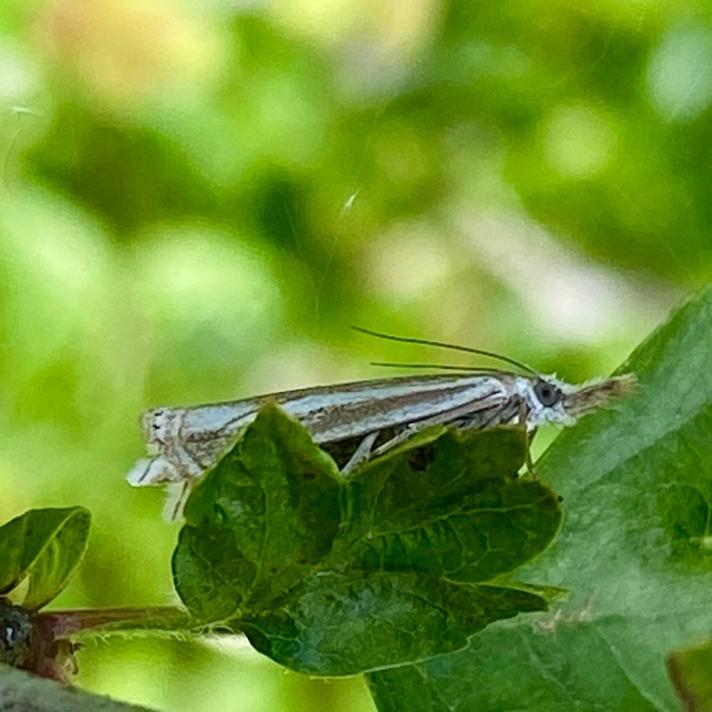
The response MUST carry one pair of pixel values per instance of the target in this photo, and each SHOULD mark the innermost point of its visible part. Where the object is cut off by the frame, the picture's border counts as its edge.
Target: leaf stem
(87, 621)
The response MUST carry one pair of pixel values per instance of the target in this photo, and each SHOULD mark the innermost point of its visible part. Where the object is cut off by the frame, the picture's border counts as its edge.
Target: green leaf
(464, 515)
(44, 546)
(341, 624)
(635, 553)
(691, 673)
(333, 576)
(267, 512)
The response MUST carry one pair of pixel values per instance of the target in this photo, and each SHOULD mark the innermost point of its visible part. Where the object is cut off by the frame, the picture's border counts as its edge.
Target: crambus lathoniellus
(376, 415)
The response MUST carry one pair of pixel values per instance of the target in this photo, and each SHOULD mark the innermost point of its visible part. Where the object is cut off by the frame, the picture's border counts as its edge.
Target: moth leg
(528, 437)
(402, 437)
(511, 411)
(176, 497)
(361, 454)
(448, 416)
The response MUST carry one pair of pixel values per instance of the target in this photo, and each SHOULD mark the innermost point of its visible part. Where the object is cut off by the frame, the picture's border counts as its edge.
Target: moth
(372, 417)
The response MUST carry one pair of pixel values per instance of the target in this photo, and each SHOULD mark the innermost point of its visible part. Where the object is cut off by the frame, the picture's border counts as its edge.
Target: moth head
(545, 400)
(554, 401)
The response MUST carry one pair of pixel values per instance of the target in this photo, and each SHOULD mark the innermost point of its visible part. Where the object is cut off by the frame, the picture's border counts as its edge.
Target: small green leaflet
(44, 546)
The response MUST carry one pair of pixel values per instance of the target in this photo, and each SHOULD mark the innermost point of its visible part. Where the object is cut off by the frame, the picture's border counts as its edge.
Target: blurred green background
(198, 198)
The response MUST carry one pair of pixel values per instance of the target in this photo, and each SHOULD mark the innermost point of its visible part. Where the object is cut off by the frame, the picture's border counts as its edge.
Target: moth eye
(547, 393)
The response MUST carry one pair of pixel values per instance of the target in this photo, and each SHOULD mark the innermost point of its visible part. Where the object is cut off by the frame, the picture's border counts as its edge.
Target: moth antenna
(445, 345)
(444, 367)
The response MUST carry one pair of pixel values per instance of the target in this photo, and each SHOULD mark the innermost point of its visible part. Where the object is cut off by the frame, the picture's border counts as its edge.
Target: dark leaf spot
(422, 458)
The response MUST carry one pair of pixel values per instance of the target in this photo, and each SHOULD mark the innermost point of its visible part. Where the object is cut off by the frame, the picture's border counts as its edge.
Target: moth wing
(154, 471)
